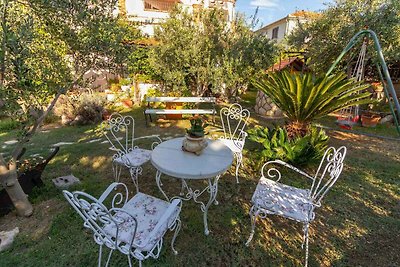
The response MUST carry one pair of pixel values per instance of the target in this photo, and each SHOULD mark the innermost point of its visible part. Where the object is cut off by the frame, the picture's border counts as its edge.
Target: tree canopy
(201, 51)
(326, 36)
(46, 47)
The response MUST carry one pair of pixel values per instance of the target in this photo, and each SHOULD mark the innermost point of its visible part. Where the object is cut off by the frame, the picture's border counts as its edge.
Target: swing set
(350, 116)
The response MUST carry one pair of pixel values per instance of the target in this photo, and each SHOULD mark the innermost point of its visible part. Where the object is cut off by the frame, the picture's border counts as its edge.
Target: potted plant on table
(194, 141)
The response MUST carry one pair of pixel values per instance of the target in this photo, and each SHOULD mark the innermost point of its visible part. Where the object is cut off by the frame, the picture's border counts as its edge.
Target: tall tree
(47, 46)
(326, 36)
(200, 51)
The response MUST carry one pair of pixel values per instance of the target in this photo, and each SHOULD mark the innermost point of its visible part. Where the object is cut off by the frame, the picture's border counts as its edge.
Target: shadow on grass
(357, 224)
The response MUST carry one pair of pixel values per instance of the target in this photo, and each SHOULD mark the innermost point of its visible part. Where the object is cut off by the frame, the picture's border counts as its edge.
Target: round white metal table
(168, 158)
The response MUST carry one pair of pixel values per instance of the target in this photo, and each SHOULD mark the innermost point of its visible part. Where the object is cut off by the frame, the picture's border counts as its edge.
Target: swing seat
(347, 123)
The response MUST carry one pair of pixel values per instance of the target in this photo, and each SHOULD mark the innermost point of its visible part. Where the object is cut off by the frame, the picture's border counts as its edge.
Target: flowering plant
(198, 125)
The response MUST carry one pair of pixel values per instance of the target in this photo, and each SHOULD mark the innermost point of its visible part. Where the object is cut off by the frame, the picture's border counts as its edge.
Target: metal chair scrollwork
(134, 227)
(234, 120)
(275, 198)
(120, 132)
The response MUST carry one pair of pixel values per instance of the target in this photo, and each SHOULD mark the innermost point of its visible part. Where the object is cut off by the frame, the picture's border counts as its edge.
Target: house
(148, 13)
(279, 29)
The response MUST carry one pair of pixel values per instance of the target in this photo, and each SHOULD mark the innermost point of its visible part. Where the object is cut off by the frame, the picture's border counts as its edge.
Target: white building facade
(279, 29)
(149, 13)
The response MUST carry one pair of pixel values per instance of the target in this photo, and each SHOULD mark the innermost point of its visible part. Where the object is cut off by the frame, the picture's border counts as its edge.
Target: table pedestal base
(187, 193)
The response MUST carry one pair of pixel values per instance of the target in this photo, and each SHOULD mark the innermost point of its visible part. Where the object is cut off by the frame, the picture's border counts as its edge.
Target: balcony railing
(160, 5)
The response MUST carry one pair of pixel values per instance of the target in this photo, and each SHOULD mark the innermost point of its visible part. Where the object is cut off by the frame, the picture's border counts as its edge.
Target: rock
(388, 118)
(7, 238)
(65, 120)
(62, 144)
(11, 142)
(65, 181)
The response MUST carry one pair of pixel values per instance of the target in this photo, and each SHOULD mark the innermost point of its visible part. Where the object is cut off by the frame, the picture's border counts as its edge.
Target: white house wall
(136, 12)
(281, 31)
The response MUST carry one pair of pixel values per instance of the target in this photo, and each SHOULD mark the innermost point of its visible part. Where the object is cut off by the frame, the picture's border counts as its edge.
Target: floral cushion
(283, 200)
(234, 145)
(136, 157)
(152, 225)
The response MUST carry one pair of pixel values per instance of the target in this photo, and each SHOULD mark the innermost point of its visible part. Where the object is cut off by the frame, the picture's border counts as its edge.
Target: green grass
(358, 224)
(384, 130)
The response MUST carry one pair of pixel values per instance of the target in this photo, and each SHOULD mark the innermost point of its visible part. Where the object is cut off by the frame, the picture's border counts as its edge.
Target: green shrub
(275, 144)
(85, 108)
(125, 82)
(8, 124)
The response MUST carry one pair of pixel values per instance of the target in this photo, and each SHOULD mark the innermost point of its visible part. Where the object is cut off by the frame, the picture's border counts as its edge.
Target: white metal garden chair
(135, 227)
(272, 197)
(120, 132)
(234, 119)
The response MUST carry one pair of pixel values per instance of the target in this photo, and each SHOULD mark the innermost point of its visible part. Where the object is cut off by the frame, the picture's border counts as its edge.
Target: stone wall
(265, 106)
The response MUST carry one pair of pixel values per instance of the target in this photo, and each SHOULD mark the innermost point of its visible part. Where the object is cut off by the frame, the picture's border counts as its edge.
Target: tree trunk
(9, 180)
(3, 43)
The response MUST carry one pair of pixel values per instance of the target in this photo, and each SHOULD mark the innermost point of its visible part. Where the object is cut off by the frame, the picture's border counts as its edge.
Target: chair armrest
(164, 219)
(118, 198)
(116, 222)
(280, 162)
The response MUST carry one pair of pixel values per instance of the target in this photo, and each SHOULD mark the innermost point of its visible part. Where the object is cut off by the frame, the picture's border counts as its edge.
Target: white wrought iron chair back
(97, 216)
(234, 119)
(120, 132)
(328, 172)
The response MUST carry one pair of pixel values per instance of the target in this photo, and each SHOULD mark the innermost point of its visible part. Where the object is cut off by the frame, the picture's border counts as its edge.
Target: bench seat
(152, 111)
(179, 111)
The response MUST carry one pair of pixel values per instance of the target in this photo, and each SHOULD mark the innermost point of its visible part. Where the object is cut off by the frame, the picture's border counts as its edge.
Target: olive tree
(326, 36)
(202, 51)
(46, 47)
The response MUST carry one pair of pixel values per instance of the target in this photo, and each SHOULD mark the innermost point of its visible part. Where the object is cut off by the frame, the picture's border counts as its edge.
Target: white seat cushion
(283, 200)
(234, 145)
(148, 211)
(136, 157)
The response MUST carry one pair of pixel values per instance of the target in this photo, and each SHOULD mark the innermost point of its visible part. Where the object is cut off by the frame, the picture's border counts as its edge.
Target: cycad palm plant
(303, 97)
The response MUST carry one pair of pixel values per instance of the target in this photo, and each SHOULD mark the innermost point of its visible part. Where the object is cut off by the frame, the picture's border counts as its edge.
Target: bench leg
(145, 117)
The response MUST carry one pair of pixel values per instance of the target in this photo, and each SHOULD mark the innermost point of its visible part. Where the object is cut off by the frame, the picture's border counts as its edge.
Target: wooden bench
(149, 111)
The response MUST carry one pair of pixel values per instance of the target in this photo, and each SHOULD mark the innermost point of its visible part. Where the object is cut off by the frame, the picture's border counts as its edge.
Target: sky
(273, 10)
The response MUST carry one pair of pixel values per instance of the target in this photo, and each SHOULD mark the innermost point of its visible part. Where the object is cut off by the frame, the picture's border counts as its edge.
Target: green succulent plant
(303, 97)
(197, 128)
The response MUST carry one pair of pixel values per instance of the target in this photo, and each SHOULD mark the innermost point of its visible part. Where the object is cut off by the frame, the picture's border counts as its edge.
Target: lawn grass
(358, 224)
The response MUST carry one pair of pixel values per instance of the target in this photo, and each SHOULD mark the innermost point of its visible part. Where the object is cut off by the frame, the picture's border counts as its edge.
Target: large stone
(7, 238)
(388, 118)
(65, 181)
(265, 107)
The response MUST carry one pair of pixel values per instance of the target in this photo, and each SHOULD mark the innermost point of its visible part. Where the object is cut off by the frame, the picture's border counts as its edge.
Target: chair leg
(130, 261)
(305, 241)
(253, 217)
(109, 257)
(100, 254)
(176, 226)
(239, 159)
(117, 171)
(135, 171)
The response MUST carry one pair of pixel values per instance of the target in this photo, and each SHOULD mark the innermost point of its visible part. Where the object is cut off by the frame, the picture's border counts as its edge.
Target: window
(275, 33)
(159, 5)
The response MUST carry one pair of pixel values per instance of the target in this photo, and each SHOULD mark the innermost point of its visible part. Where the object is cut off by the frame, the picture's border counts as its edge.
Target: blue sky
(272, 10)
